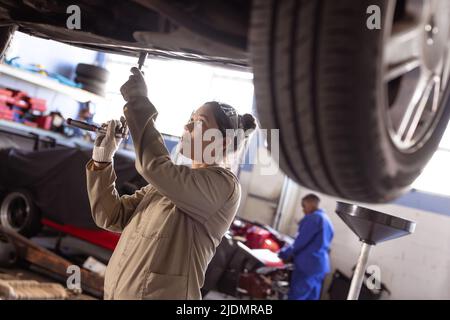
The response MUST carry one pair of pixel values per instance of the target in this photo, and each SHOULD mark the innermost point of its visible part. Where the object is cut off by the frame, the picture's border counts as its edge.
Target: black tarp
(56, 178)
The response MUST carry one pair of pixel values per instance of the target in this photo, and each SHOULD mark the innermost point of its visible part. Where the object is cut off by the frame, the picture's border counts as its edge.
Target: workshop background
(413, 267)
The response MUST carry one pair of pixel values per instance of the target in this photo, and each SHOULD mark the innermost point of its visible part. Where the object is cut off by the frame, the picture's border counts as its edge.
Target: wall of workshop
(414, 267)
(261, 192)
(54, 57)
(256, 187)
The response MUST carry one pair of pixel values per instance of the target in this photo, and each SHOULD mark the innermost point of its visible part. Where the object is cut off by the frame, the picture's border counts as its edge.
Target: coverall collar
(318, 211)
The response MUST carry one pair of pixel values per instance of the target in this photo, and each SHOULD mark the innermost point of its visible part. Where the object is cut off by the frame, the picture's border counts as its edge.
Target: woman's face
(200, 136)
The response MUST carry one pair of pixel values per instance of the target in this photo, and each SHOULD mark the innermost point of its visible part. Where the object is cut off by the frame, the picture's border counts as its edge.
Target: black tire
(6, 35)
(18, 212)
(89, 81)
(91, 85)
(99, 90)
(93, 72)
(317, 73)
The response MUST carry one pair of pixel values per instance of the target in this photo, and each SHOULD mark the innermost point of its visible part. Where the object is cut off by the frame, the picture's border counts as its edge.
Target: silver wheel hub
(416, 68)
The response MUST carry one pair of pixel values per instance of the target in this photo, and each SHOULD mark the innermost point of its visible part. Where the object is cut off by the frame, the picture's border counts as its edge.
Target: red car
(246, 263)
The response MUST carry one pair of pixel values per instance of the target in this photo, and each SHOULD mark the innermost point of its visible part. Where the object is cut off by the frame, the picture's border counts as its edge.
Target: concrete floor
(23, 274)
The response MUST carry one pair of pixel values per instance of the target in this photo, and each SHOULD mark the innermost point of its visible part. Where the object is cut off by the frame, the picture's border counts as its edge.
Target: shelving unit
(52, 84)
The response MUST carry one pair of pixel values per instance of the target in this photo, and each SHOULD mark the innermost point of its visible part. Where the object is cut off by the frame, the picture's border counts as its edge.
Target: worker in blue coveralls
(310, 251)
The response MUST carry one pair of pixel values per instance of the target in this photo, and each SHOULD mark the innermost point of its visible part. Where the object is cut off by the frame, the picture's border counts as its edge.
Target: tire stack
(92, 78)
(18, 212)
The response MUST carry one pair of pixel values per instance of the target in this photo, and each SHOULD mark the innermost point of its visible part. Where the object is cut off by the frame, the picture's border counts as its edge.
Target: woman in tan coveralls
(170, 228)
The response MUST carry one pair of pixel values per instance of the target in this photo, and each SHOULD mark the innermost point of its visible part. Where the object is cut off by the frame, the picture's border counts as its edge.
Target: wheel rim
(15, 211)
(416, 64)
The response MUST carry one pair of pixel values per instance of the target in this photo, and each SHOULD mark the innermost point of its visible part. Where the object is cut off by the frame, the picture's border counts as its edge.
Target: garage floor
(23, 274)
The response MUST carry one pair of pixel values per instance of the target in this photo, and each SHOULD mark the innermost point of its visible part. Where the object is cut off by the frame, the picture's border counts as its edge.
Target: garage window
(436, 176)
(177, 88)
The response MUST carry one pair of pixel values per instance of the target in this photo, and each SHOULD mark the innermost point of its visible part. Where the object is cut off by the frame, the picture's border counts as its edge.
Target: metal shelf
(52, 84)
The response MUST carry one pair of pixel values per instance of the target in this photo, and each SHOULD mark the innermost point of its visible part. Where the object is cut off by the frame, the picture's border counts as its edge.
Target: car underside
(360, 110)
(207, 31)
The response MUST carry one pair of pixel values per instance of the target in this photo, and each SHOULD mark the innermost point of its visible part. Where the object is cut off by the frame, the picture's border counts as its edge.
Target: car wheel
(6, 35)
(93, 72)
(19, 213)
(360, 111)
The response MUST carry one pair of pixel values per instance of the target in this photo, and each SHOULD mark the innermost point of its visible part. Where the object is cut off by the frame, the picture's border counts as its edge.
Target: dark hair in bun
(248, 122)
(228, 118)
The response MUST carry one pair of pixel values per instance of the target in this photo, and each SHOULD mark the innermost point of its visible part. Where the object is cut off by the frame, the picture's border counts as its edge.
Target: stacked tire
(18, 212)
(92, 78)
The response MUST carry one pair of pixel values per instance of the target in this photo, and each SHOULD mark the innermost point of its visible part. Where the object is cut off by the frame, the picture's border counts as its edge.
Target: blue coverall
(310, 252)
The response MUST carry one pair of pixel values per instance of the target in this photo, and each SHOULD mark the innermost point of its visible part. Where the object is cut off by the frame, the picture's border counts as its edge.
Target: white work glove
(106, 145)
(135, 86)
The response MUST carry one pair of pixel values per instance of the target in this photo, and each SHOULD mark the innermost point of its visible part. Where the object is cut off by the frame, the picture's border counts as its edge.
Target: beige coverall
(170, 228)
